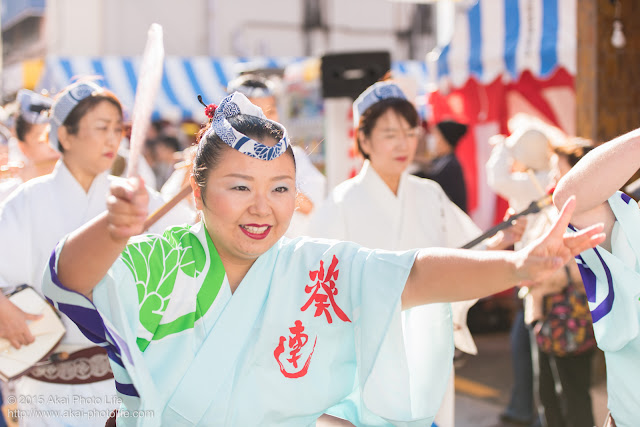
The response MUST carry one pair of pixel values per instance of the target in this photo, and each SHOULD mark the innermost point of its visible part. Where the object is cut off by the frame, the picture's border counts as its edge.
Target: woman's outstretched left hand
(542, 257)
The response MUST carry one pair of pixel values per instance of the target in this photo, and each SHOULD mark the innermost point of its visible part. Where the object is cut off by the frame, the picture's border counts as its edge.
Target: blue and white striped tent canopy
(491, 38)
(183, 78)
(507, 37)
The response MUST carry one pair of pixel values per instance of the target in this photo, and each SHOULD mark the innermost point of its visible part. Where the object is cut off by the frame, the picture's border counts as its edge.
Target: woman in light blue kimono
(229, 323)
(611, 272)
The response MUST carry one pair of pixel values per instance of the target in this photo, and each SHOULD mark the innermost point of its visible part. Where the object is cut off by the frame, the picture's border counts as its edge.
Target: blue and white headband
(34, 107)
(65, 103)
(374, 94)
(234, 105)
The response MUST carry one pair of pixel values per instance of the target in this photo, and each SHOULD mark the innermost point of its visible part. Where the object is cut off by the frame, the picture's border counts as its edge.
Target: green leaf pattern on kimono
(154, 262)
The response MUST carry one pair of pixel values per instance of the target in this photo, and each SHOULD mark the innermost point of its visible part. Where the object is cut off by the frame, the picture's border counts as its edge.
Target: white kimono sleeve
(7, 187)
(16, 258)
(460, 228)
(328, 221)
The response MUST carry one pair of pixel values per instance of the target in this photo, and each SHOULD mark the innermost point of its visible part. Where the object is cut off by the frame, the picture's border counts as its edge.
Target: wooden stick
(162, 210)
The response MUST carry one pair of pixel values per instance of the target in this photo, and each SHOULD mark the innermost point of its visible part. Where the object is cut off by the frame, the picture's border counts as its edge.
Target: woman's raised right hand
(127, 207)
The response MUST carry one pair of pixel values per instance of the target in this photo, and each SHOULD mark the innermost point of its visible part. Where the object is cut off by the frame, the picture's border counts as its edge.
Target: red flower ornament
(210, 109)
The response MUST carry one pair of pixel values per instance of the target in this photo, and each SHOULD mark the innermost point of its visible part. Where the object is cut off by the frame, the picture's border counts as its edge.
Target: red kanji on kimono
(324, 291)
(295, 343)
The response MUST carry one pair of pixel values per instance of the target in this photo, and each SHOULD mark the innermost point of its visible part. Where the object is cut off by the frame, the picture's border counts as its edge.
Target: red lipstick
(256, 236)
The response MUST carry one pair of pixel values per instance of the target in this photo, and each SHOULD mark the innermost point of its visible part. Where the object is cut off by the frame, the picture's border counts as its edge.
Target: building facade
(35, 29)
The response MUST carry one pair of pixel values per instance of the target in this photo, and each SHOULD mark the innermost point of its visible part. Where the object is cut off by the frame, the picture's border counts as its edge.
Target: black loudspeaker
(349, 74)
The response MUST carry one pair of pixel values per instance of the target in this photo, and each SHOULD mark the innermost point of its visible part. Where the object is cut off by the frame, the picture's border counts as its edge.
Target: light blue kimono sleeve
(611, 278)
(401, 378)
(612, 282)
(110, 320)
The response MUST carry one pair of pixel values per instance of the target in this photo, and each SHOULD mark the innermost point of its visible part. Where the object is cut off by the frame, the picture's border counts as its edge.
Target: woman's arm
(597, 176)
(92, 249)
(443, 275)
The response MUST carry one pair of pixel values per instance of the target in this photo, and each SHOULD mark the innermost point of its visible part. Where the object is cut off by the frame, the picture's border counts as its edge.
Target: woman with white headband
(229, 323)
(32, 156)
(86, 128)
(386, 207)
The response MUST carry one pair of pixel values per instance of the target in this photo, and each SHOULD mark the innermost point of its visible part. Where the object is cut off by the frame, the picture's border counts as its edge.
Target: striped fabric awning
(507, 37)
(183, 78)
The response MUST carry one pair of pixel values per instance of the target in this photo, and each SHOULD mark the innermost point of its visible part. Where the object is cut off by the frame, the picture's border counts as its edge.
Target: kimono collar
(66, 180)
(369, 177)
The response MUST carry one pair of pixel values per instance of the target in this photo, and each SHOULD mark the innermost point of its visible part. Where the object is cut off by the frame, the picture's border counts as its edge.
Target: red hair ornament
(210, 109)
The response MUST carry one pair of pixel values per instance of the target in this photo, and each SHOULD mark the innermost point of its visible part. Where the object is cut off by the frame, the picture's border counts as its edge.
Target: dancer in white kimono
(611, 272)
(86, 127)
(32, 156)
(386, 207)
(230, 323)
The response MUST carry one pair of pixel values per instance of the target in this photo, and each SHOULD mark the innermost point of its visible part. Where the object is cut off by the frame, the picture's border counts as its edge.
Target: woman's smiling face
(247, 203)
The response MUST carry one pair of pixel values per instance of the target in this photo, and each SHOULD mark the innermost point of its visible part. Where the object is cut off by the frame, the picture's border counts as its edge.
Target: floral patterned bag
(566, 328)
